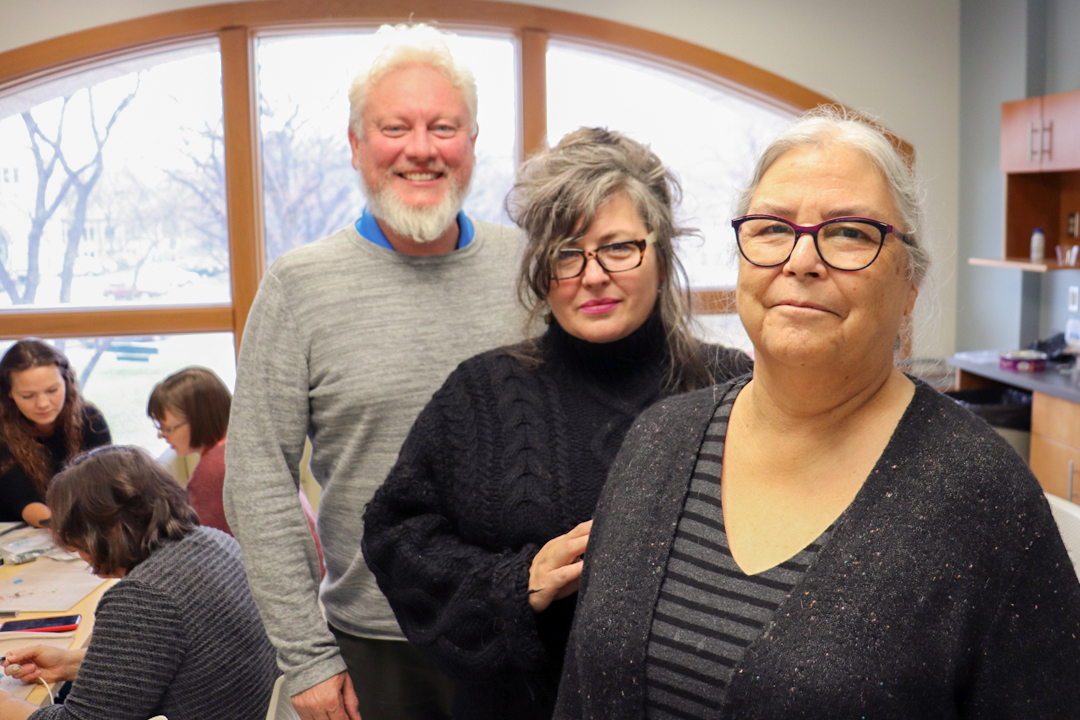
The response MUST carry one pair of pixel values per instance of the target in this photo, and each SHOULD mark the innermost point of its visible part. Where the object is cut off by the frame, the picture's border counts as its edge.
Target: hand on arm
(51, 664)
(332, 699)
(556, 569)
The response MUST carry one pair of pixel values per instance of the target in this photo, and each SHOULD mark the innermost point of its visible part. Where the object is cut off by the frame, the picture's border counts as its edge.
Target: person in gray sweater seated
(829, 538)
(179, 635)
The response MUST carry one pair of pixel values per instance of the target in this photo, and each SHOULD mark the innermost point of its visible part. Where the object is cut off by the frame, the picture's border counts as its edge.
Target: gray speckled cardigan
(945, 591)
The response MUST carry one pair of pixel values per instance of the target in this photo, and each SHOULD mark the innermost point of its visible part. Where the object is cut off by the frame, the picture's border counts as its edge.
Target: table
(84, 607)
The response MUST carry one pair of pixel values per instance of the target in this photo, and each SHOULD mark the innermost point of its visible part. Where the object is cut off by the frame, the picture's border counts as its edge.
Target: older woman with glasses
(829, 538)
(477, 535)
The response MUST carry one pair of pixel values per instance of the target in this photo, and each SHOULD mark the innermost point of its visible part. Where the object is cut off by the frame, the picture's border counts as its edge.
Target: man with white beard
(346, 341)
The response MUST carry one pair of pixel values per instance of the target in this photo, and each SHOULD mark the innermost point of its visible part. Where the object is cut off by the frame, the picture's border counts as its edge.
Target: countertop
(1050, 382)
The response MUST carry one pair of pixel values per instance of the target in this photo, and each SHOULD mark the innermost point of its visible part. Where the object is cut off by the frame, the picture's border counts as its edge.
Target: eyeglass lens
(613, 257)
(844, 244)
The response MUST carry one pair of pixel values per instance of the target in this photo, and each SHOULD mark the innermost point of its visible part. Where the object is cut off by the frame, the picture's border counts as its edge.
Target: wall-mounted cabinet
(1040, 156)
(1041, 134)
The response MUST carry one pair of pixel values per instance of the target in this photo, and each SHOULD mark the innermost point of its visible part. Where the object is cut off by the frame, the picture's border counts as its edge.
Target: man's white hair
(403, 46)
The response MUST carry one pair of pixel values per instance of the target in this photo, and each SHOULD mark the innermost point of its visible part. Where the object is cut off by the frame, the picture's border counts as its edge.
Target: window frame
(236, 26)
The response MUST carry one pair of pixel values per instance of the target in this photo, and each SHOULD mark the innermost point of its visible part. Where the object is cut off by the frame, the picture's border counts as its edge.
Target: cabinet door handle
(1033, 150)
(1069, 483)
(1047, 148)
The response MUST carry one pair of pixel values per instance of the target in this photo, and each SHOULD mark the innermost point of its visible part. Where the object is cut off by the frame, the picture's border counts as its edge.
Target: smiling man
(345, 343)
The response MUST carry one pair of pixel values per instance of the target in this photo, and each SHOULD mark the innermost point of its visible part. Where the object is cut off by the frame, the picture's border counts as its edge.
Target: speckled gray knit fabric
(944, 592)
(180, 637)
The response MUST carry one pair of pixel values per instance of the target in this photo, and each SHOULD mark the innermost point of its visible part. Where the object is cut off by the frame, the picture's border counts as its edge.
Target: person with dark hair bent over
(179, 635)
(44, 422)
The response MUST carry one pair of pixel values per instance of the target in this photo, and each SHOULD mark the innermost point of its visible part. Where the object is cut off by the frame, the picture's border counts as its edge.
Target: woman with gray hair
(477, 535)
(828, 538)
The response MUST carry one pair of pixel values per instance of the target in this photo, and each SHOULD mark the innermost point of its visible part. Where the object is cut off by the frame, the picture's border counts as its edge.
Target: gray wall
(1008, 51)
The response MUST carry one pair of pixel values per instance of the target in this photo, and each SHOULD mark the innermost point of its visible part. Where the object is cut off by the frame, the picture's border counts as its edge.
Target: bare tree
(44, 208)
(310, 187)
(48, 152)
(309, 184)
(202, 198)
(83, 180)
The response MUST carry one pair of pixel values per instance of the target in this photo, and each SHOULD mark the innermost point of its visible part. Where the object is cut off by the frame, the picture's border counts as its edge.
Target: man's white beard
(422, 225)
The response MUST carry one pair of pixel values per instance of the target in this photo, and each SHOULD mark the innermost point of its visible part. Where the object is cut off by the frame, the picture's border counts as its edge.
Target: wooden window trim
(236, 25)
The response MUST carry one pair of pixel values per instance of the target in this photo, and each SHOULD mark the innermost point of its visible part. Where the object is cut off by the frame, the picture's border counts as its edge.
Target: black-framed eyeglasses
(844, 243)
(614, 257)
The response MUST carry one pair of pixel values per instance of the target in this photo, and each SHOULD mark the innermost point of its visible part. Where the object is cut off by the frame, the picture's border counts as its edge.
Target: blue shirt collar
(369, 228)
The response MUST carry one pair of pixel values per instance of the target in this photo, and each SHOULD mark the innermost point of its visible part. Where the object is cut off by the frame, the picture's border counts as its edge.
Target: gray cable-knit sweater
(944, 591)
(178, 636)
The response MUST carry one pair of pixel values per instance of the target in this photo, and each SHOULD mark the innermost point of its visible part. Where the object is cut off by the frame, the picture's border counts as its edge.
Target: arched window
(153, 168)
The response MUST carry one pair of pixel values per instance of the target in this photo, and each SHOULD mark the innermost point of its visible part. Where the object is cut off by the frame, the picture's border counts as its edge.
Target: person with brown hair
(179, 635)
(44, 422)
(191, 411)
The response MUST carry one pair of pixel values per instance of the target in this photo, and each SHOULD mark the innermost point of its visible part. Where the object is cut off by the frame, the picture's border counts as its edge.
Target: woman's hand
(49, 663)
(36, 514)
(556, 569)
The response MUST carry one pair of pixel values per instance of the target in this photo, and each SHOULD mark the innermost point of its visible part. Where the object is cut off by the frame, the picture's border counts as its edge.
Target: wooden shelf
(1021, 263)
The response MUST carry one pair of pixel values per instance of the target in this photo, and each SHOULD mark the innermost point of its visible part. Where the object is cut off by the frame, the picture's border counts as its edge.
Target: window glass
(117, 374)
(112, 185)
(708, 135)
(310, 187)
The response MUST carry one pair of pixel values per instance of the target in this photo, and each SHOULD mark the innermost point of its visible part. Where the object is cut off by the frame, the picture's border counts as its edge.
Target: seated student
(43, 423)
(179, 635)
(191, 411)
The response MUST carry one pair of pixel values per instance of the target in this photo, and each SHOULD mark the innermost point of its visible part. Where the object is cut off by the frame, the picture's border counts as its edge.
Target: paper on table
(14, 641)
(48, 585)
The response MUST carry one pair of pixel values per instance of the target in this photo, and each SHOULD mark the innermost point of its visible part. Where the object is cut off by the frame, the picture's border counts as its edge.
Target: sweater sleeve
(267, 428)
(139, 641)
(463, 605)
(1030, 658)
(16, 490)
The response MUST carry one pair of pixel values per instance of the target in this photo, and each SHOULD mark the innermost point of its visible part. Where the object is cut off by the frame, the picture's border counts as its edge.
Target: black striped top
(709, 610)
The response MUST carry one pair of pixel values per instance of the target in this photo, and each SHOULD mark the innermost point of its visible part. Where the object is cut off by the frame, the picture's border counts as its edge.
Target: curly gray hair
(555, 199)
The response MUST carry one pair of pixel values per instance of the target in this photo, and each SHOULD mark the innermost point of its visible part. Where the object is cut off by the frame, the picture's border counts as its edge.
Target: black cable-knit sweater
(504, 458)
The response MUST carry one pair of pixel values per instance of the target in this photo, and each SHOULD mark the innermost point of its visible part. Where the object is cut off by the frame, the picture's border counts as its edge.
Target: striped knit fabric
(709, 611)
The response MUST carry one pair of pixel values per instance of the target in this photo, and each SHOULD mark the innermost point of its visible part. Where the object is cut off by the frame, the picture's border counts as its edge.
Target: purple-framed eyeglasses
(843, 243)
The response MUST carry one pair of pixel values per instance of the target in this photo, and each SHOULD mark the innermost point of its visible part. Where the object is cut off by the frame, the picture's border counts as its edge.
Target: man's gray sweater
(346, 342)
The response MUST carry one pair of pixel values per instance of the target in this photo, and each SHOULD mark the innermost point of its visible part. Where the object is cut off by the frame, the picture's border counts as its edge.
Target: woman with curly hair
(44, 422)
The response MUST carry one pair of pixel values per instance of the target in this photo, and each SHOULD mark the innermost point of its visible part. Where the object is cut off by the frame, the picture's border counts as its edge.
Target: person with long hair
(44, 422)
(477, 534)
(179, 635)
